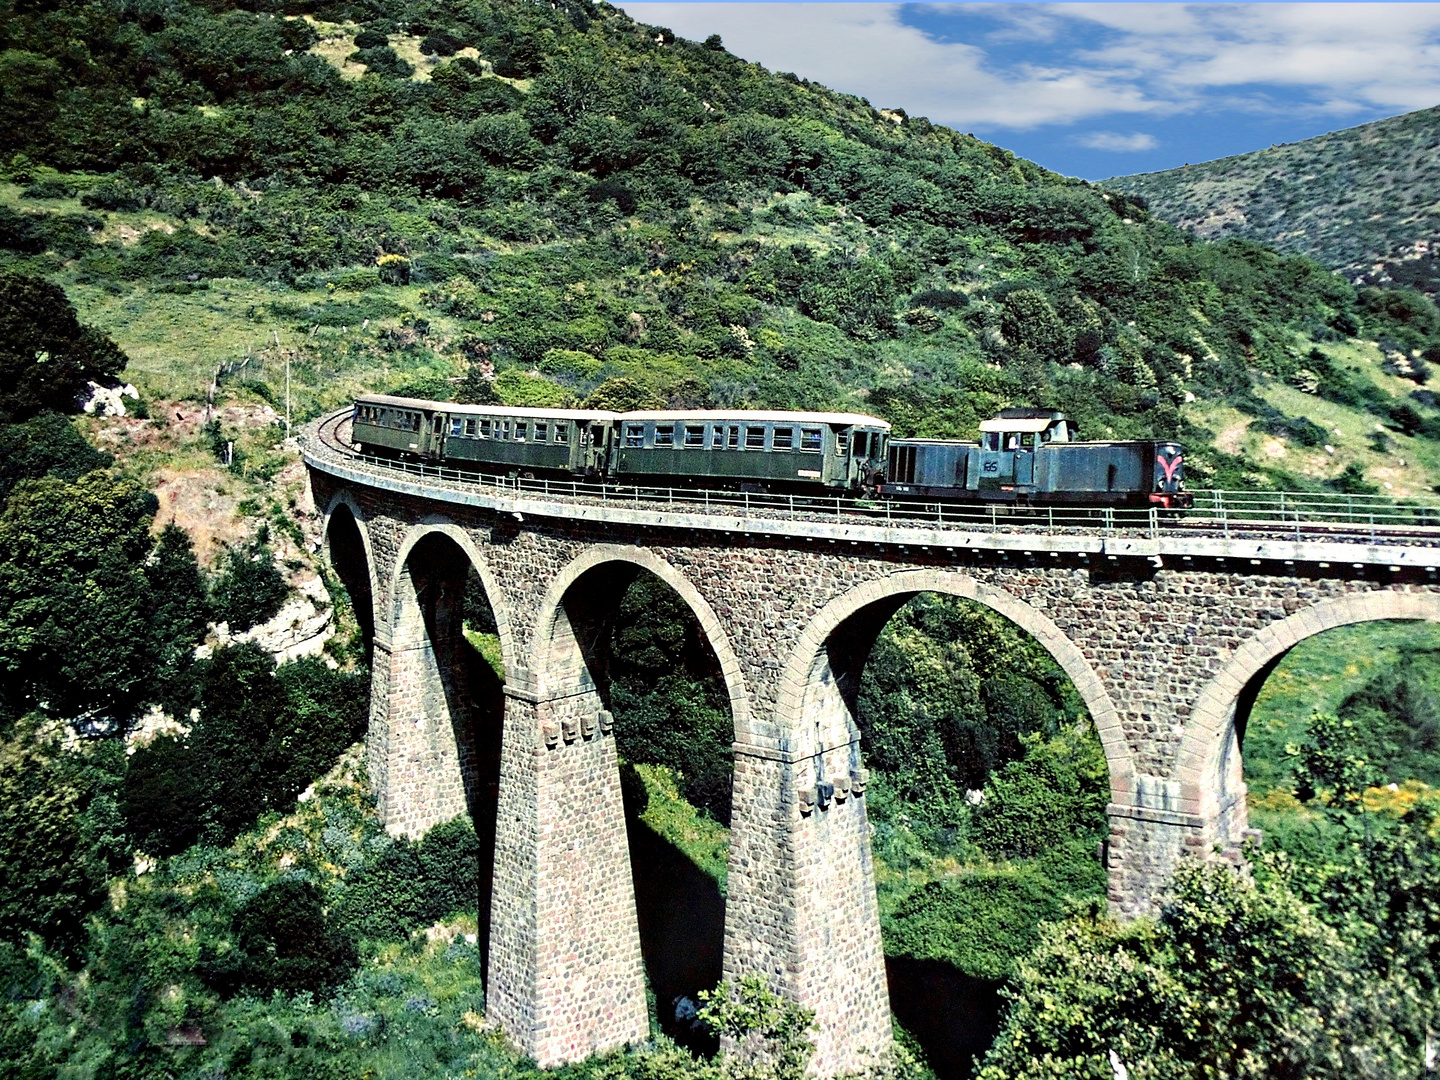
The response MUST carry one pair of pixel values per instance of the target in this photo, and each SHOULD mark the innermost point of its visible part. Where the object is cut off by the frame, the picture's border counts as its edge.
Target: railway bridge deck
(1166, 627)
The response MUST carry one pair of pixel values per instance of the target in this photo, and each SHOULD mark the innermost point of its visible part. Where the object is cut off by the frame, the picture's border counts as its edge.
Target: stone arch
(498, 603)
(885, 595)
(365, 592)
(554, 651)
(1208, 767)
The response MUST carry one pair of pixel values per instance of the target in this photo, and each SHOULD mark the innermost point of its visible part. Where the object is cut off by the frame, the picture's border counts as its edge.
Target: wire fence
(1224, 512)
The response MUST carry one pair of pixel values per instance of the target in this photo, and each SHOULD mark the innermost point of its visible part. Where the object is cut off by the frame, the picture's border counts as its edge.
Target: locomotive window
(842, 441)
(754, 438)
(520, 430)
(542, 432)
(810, 439)
(694, 436)
(734, 439)
(717, 438)
(562, 432)
(784, 438)
(634, 434)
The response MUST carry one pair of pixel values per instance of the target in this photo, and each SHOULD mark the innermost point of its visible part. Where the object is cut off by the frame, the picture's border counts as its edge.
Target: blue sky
(1099, 90)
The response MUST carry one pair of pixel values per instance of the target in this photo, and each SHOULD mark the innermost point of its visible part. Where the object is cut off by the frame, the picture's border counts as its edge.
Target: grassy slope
(1347, 199)
(1407, 466)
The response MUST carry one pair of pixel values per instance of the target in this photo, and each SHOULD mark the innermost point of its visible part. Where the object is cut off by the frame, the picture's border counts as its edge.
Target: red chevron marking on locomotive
(1169, 466)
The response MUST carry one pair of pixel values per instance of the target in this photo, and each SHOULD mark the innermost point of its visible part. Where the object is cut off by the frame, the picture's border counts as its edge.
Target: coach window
(862, 443)
(542, 431)
(562, 431)
(664, 434)
(810, 440)
(634, 434)
(733, 440)
(784, 439)
(415, 422)
(505, 429)
(754, 438)
(484, 429)
(457, 426)
(520, 430)
(717, 437)
(695, 436)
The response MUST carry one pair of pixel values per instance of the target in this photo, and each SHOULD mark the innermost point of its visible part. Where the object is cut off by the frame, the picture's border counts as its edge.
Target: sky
(1099, 90)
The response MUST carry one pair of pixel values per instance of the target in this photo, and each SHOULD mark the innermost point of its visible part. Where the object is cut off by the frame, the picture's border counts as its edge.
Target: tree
(46, 356)
(622, 395)
(49, 877)
(79, 633)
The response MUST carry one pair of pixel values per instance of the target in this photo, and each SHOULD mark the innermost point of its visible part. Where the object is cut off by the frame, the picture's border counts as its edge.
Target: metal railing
(1272, 513)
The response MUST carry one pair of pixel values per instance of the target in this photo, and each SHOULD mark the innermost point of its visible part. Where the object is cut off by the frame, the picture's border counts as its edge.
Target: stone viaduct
(1166, 638)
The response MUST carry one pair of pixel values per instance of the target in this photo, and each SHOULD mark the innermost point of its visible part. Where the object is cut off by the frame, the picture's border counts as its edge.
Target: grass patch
(1320, 673)
(703, 840)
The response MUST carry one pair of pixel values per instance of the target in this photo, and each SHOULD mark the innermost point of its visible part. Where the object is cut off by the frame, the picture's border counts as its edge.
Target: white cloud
(865, 49)
(1113, 140)
(1090, 60)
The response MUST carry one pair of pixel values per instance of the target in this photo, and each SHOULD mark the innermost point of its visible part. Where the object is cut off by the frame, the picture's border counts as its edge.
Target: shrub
(282, 940)
(1057, 790)
(258, 737)
(250, 587)
(412, 884)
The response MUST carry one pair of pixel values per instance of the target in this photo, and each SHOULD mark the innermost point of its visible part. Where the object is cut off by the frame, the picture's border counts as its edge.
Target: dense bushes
(46, 356)
(259, 735)
(949, 694)
(412, 884)
(249, 587)
(282, 940)
(667, 694)
(91, 627)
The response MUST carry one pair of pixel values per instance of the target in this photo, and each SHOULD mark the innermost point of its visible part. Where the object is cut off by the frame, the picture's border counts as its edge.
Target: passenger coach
(766, 449)
(576, 442)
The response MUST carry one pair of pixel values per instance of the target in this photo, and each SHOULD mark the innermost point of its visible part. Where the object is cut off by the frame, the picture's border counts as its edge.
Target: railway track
(1252, 515)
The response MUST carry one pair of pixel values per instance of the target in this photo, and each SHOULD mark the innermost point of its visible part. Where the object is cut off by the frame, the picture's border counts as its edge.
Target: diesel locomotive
(1023, 456)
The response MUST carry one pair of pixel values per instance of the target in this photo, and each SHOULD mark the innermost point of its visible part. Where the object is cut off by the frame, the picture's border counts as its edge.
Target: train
(1023, 456)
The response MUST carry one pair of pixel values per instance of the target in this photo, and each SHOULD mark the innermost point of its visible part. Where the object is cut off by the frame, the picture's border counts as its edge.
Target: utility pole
(287, 384)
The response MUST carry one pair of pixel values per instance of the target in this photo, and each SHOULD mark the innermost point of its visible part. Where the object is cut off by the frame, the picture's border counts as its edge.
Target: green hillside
(1365, 200)
(395, 194)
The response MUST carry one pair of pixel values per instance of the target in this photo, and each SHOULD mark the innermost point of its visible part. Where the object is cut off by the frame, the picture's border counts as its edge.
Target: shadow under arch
(1208, 768)
(680, 911)
(345, 547)
(828, 659)
(461, 699)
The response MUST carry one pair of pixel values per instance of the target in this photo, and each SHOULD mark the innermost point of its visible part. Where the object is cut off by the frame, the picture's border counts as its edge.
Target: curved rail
(1271, 515)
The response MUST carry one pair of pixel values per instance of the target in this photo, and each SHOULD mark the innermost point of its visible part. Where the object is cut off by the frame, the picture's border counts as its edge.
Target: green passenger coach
(767, 449)
(572, 441)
